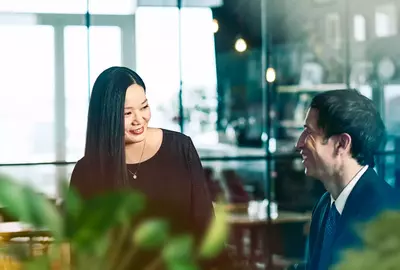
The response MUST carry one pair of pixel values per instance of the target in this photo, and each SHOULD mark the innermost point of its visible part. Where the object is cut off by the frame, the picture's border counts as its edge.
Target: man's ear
(343, 143)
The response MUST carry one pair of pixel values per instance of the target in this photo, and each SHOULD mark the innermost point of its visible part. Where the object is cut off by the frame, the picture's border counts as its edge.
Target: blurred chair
(213, 184)
(236, 190)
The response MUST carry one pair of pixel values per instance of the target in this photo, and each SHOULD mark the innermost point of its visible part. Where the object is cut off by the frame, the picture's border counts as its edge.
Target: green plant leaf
(151, 234)
(36, 263)
(44, 214)
(214, 240)
(75, 204)
(178, 265)
(381, 249)
(72, 208)
(12, 199)
(100, 215)
(179, 250)
(378, 232)
(26, 205)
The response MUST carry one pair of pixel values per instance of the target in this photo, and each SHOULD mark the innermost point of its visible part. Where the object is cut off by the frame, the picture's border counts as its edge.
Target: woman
(122, 151)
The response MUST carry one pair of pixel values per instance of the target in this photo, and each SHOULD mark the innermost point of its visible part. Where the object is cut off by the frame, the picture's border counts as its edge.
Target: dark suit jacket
(369, 197)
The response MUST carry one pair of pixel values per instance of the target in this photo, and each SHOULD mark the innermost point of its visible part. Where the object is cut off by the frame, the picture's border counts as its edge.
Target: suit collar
(359, 194)
(341, 200)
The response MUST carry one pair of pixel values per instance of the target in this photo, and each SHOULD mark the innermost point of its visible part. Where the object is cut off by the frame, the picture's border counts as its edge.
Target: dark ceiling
(243, 18)
(238, 18)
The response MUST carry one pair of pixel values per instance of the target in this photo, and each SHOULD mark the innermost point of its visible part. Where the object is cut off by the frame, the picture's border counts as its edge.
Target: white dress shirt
(340, 202)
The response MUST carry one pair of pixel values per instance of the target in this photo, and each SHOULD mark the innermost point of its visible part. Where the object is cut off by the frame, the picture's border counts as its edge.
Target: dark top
(369, 197)
(173, 182)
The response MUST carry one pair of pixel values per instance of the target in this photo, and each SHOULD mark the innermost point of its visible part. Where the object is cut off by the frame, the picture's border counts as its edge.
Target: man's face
(318, 152)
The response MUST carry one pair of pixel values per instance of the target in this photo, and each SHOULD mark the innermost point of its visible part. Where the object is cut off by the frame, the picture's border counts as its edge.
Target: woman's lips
(137, 131)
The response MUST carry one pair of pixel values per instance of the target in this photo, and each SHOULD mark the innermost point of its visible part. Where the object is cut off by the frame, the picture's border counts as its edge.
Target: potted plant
(381, 245)
(93, 231)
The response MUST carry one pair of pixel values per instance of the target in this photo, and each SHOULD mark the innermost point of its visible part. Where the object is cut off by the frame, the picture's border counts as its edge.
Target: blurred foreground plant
(95, 231)
(381, 249)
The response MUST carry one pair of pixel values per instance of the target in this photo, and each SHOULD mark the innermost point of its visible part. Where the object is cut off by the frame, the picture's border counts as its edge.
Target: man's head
(342, 127)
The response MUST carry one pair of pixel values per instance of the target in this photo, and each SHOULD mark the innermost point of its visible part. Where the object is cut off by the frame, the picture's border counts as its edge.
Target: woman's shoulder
(175, 138)
(175, 134)
(78, 174)
(81, 164)
(177, 142)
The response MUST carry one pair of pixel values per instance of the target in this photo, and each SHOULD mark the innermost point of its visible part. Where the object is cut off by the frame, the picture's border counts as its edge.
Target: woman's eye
(128, 113)
(145, 107)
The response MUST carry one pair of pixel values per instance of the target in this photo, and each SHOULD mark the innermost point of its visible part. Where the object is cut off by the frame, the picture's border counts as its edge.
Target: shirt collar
(340, 202)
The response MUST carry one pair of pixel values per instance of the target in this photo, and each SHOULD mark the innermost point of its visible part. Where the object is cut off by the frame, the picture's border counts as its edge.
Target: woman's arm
(201, 204)
(203, 211)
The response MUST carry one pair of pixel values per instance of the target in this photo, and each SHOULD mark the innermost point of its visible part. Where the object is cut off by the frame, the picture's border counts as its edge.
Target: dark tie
(329, 235)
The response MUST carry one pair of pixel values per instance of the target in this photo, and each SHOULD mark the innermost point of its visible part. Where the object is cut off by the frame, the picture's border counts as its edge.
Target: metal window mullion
(60, 104)
(128, 42)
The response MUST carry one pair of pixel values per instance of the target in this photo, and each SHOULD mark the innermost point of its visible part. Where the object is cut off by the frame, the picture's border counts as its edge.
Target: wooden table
(260, 229)
(10, 230)
(38, 241)
(283, 217)
(238, 215)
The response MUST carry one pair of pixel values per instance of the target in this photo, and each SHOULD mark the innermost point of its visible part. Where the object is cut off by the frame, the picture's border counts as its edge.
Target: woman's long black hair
(105, 143)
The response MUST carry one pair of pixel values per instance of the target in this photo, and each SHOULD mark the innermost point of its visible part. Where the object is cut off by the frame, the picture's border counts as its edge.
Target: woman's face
(137, 114)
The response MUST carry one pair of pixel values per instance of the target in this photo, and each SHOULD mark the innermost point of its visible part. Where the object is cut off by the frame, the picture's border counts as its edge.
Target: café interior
(236, 76)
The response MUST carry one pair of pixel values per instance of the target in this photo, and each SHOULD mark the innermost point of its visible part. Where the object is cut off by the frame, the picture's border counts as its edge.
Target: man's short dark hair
(348, 111)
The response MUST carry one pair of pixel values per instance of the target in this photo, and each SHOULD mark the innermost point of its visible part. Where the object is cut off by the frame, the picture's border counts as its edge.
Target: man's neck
(339, 181)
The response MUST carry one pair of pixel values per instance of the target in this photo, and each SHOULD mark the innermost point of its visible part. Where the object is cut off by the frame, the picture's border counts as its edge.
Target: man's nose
(300, 142)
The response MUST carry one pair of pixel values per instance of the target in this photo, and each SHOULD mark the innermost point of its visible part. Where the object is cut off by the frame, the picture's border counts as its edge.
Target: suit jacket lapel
(320, 235)
(352, 206)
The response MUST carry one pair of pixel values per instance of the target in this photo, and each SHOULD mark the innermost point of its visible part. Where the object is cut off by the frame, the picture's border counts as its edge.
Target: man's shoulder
(384, 197)
(375, 196)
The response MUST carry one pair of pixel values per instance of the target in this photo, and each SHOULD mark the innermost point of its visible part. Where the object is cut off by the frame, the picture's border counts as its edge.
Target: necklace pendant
(134, 176)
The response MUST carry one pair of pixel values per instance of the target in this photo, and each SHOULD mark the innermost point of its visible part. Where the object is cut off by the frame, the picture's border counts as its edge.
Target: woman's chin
(133, 138)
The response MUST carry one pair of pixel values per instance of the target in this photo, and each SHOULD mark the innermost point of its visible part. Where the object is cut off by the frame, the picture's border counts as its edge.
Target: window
(158, 61)
(199, 76)
(105, 51)
(27, 95)
(333, 30)
(44, 101)
(157, 52)
(185, 3)
(27, 104)
(360, 28)
(386, 20)
(69, 6)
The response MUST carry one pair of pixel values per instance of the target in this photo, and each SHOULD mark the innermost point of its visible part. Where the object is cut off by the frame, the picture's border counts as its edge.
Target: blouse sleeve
(201, 204)
(78, 179)
(203, 211)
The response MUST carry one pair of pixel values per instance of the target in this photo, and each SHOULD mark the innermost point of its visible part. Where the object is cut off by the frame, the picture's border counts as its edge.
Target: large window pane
(105, 51)
(41, 178)
(199, 76)
(27, 95)
(68, 6)
(157, 62)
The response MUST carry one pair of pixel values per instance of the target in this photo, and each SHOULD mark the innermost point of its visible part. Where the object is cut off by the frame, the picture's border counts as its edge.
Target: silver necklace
(134, 175)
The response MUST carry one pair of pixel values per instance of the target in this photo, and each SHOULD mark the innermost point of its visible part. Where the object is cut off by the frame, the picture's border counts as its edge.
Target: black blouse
(173, 183)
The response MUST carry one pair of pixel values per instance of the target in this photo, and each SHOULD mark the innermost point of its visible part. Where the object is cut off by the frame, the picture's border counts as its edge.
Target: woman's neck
(134, 151)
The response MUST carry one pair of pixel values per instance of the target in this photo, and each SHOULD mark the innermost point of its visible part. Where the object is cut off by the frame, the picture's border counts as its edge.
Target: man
(342, 132)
